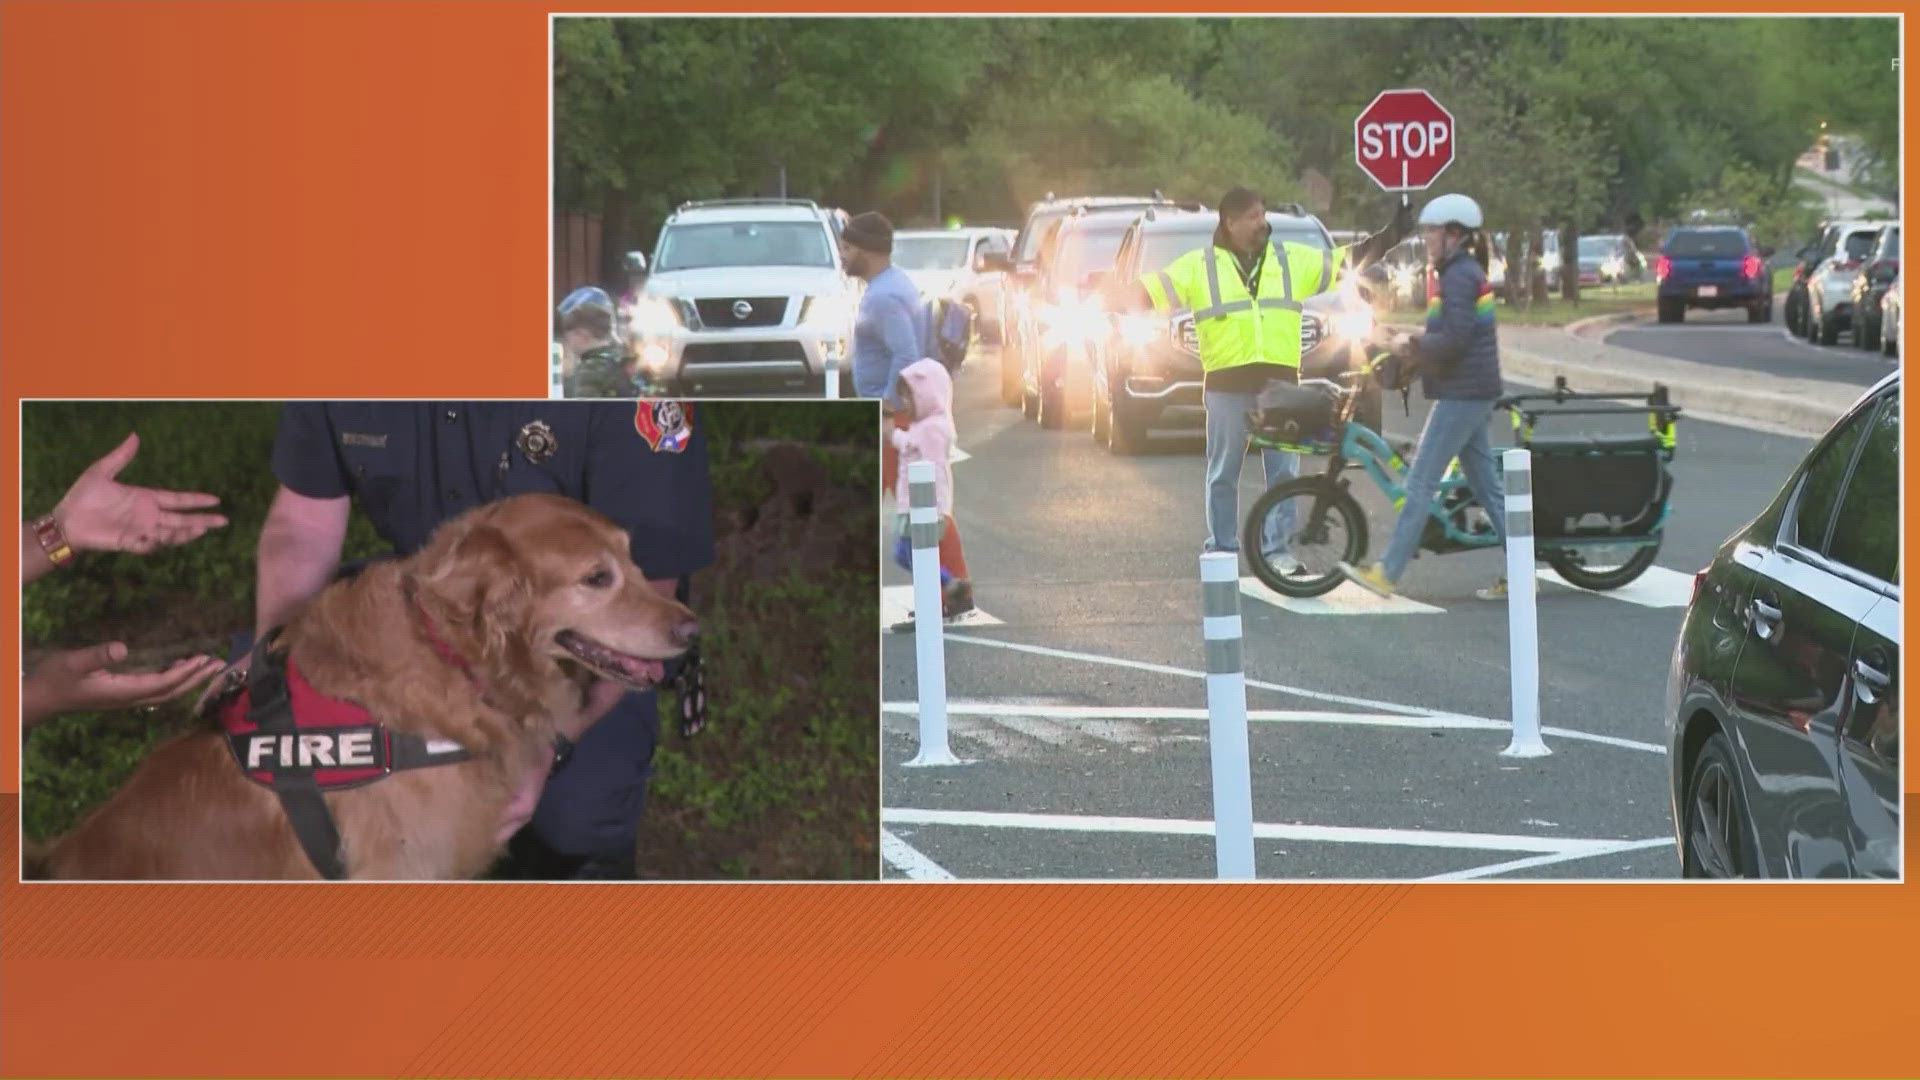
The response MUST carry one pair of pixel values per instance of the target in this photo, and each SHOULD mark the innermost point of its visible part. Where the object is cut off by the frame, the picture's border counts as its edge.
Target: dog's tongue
(643, 671)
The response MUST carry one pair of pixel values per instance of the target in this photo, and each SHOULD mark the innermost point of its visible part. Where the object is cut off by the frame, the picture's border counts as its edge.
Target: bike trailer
(1597, 487)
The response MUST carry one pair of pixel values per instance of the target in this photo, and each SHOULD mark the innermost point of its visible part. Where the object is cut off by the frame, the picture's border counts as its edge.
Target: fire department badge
(666, 425)
(537, 442)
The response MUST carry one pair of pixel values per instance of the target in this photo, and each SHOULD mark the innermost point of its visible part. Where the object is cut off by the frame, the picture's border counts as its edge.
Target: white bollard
(929, 629)
(833, 377)
(557, 384)
(1227, 715)
(1523, 624)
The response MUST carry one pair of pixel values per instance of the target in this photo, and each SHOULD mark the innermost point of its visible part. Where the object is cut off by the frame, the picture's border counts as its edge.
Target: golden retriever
(532, 597)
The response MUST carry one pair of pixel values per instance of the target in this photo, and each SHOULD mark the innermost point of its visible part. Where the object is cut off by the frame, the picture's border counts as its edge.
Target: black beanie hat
(870, 232)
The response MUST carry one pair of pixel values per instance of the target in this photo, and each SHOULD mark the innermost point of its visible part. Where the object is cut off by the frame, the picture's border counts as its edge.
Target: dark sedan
(1783, 700)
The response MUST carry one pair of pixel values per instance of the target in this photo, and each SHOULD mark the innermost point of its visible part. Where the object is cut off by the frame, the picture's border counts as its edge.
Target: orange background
(279, 200)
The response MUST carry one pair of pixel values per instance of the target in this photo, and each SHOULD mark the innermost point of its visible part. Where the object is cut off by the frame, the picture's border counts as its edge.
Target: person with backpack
(891, 331)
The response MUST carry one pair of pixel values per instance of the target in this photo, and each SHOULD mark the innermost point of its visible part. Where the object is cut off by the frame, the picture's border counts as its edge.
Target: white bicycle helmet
(1452, 209)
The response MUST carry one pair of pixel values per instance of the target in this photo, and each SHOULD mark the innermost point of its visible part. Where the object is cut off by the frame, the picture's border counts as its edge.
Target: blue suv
(1718, 267)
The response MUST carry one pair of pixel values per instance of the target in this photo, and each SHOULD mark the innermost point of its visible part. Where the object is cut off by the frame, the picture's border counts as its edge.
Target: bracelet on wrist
(52, 541)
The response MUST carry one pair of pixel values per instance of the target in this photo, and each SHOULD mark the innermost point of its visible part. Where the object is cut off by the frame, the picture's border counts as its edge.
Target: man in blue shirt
(890, 330)
(413, 465)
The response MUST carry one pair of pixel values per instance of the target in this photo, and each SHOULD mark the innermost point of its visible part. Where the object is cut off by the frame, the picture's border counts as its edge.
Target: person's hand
(99, 513)
(1401, 344)
(77, 681)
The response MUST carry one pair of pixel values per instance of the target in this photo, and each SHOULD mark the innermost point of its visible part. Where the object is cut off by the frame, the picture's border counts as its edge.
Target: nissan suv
(1147, 369)
(745, 294)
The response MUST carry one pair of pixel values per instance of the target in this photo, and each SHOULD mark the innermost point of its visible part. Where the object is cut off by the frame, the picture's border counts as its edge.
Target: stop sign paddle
(1403, 139)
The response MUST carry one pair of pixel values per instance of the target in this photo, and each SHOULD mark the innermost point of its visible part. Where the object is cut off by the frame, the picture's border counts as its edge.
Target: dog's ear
(487, 589)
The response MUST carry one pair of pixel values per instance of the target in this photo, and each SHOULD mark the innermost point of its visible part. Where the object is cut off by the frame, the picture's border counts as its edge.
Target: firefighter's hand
(77, 681)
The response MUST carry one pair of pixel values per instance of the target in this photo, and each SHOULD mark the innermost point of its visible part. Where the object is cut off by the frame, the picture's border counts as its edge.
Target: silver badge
(537, 442)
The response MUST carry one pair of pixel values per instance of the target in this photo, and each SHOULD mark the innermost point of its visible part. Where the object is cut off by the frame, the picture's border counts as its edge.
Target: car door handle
(1764, 617)
(1869, 682)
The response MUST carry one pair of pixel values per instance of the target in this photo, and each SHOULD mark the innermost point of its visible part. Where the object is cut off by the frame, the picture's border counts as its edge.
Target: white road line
(896, 603)
(910, 860)
(1164, 669)
(1548, 860)
(1106, 713)
(1657, 587)
(1345, 599)
(1330, 834)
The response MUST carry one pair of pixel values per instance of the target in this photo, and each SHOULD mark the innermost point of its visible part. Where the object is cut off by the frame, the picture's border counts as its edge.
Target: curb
(1797, 413)
(1587, 327)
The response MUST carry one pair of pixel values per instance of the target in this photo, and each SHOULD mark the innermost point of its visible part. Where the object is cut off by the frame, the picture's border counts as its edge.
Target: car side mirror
(993, 261)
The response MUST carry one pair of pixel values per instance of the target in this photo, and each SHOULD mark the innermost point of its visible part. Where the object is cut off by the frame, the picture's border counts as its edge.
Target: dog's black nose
(685, 633)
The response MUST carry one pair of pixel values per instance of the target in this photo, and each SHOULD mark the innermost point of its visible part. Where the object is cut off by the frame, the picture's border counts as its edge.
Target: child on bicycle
(1458, 361)
(926, 395)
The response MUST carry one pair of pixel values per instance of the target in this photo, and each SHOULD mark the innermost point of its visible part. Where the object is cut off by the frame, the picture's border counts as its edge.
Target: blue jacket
(1459, 353)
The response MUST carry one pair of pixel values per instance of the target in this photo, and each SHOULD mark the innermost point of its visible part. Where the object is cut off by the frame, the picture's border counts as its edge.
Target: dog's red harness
(297, 742)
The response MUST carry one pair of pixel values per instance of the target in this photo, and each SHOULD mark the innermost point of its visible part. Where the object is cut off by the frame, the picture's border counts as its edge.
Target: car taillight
(1699, 580)
(1750, 266)
(1661, 266)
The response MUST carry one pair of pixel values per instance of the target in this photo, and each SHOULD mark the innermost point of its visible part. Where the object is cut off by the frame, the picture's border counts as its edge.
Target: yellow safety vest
(1233, 327)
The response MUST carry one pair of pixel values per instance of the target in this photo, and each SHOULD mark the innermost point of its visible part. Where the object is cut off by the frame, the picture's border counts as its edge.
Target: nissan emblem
(742, 309)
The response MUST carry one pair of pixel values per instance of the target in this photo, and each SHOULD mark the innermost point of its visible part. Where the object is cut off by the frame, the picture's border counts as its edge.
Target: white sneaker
(1286, 565)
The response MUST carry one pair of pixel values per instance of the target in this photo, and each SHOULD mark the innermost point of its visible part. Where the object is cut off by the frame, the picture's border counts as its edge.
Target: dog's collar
(562, 746)
(435, 640)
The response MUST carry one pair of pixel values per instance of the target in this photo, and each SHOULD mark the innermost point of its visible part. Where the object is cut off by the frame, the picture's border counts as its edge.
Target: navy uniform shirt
(413, 465)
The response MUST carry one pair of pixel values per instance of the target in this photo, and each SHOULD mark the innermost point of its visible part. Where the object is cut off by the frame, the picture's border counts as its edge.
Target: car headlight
(1072, 324)
(653, 316)
(1354, 323)
(827, 313)
(1141, 330)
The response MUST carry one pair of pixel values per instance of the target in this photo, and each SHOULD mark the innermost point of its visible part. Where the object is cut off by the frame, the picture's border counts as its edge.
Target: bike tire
(1312, 489)
(1564, 563)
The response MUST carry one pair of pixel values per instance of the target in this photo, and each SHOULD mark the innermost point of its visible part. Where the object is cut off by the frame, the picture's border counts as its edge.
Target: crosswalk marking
(896, 603)
(1658, 587)
(1346, 599)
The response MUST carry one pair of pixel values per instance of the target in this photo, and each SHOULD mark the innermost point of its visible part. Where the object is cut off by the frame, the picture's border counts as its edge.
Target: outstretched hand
(99, 513)
(77, 681)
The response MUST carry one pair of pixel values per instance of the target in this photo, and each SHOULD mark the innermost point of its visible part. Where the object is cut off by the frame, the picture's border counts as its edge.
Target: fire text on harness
(347, 748)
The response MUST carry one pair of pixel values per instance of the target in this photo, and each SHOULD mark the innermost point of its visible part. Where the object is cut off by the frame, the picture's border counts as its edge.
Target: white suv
(745, 293)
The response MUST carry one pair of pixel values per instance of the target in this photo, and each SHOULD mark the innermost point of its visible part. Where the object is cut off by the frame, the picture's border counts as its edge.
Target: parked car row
(1847, 281)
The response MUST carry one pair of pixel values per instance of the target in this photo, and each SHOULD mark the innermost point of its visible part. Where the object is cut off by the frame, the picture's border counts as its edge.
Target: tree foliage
(1585, 124)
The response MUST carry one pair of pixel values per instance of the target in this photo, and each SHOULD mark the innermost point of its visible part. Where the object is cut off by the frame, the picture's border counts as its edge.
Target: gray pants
(1454, 429)
(1226, 449)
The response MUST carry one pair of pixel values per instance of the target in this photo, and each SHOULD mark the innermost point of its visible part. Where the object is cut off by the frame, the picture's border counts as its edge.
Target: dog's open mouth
(634, 671)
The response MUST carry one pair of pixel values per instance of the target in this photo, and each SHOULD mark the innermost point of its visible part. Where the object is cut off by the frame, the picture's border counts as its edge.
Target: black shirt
(413, 465)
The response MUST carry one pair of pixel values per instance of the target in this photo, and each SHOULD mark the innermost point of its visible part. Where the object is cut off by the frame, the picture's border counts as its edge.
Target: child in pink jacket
(926, 390)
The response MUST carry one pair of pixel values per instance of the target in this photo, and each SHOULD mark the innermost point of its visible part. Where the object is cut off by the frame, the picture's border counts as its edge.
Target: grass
(1594, 301)
(782, 783)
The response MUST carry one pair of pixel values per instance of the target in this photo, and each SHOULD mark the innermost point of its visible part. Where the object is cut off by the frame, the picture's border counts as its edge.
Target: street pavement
(1725, 339)
(1078, 700)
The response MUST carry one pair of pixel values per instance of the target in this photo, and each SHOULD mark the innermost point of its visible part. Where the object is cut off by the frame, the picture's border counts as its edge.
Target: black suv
(1023, 272)
(1783, 700)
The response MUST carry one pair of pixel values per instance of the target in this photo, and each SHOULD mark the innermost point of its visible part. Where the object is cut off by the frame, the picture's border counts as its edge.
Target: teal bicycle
(1600, 502)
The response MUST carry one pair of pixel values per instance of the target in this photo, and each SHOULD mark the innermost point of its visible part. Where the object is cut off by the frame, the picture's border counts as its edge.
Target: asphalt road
(1724, 338)
(1078, 698)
